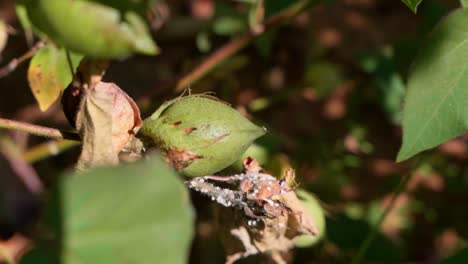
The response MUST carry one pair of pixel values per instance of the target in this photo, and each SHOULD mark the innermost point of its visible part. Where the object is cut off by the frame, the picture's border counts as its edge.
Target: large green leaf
(91, 28)
(436, 107)
(137, 213)
(49, 74)
(412, 4)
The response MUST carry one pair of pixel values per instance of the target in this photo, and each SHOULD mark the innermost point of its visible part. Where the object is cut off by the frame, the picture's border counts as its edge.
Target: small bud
(200, 134)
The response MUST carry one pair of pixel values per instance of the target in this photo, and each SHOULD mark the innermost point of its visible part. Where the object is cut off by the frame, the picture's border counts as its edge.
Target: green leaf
(91, 28)
(437, 96)
(136, 213)
(228, 26)
(412, 4)
(22, 15)
(323, 76)
(381, 65)
(49, 74)
(228, 21)
(464, 3)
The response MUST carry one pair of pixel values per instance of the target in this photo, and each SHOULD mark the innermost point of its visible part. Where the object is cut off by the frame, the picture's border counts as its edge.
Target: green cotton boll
(314, 210)
(90, 28)
(199, 134)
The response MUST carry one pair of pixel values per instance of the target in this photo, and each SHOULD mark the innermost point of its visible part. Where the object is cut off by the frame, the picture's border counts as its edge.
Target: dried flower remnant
(106, 117)
(271, 215)
(107, 120)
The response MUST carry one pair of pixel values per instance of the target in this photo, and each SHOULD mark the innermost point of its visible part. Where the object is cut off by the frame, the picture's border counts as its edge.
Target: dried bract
(106, 121)
(267, 208)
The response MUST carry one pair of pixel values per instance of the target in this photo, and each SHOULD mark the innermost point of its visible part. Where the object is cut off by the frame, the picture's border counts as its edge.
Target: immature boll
(200, 135)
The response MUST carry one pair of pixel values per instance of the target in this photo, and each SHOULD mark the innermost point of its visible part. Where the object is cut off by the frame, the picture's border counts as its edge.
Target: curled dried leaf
(108, 118)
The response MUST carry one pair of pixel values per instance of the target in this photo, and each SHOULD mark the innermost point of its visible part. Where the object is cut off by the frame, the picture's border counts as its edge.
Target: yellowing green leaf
(49, 74)
(436, 107)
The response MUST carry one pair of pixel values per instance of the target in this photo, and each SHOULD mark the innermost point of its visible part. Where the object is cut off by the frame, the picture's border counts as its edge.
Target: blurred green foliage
(329, 86)
(118, 215)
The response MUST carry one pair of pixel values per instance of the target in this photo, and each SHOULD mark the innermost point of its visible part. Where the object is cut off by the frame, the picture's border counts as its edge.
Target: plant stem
(47, 149)
(37, 130)
(237, 44)
(371, 236)
(13, 64)
(70, 63)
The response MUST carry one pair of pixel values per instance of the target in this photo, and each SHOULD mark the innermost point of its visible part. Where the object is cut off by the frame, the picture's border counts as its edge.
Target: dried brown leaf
(107, 120)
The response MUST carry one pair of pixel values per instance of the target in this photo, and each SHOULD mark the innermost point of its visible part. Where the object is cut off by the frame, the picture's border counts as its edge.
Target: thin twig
(24, 172)
(48, 149)
(237, 44)
(70, 63)
(37, 130)
(223, 196)
(13, 64)
(371, 236)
